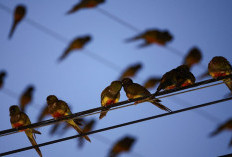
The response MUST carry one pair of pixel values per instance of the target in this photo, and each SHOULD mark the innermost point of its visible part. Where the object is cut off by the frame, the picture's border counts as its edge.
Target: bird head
(14, 110)
(116, 85)
(20, 11)
(138, 66)
(126, 81)
(183, 67)
(51, 99)
(30, 88)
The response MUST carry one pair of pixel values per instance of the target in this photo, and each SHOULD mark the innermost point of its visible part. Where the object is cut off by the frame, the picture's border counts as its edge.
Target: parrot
(19, 14)
(19, 118)
(2, 77)
(153, 36)
(58, 108)
(134, 90)
(131, 71)
(123, 145)
(26, 97)
(110, 95)
(85, 4)
(151, 82)
(178, 77)
(194, 56)
(220, 66)
(76, 44)
(43, 114)
(87, 128)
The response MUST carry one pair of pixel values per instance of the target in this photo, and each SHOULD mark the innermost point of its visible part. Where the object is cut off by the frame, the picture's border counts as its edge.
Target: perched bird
(76, 44)
(151, 82)
(131, 71)
(110, 95)
(43, 114)
(123, 145)
(26, 97)
(178, 77)
(2, 77)
(134, 90)
(219, 66)
(225, 126)
(153, 36)
(85, 4)
(19, 14)
(194, 56)
(58, 108)
(87, 128)
(19, 118)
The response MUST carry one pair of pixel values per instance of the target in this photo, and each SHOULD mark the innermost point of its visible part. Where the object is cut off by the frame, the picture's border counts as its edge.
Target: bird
(178, 77)
(77, 44)
(110, 95)
(87, 128)
(122, 145)
(151, 82)
(225, 126)
(220, 66)
(26, 97)
(43, 113)
(2, 77)
(134, 90)
(153, 36)
(59, 108)
(18, 119)
(194, 56)
(131, 71)
(85, 4)
(19, 14)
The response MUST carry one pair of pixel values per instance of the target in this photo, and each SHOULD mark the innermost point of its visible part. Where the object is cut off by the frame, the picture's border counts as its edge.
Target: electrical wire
(116, 126)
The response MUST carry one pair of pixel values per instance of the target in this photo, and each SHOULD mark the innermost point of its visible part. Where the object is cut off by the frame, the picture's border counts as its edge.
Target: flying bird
(76, 44)
(134, 90)
(110, 95)
(131, 71)
(26, 97)
(194, 56)
(153, 36)
(85, 4)
(2, 77)
(58, 108)
(122, 145)
(19, 14)
(220, 66)
(151, 82)
(19, 118)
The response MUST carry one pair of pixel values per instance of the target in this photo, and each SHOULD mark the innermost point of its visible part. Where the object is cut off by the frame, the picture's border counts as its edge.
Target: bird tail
(162, 107)
(145, 44)
(29, 134)
(228, 83)
(74, 9)
(217, 131)
(78, 129)
(133, 39)
(13, 28)
(54, 128)
(103, 114)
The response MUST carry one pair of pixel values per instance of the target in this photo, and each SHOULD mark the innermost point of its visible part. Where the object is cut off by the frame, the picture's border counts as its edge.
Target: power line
(116, 126)
(91, 111)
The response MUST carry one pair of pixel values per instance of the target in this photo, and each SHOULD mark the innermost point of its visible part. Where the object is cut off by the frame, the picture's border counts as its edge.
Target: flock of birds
(180, 76)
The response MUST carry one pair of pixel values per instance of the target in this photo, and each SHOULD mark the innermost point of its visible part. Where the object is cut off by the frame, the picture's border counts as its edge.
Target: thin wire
(116, 126)
(91, 111)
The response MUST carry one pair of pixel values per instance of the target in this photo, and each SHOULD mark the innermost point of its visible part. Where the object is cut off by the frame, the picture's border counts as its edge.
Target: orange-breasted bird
(131, 71)
(85, 4)
(220, 66)
(153, 36)
(110, 95)
(26, 97)
(122, 145)
(134, 90)
(19, 14)
(2, 77)
(59, 108)
(19, 118)
(151, 82)
(76, 44)
(194, 56)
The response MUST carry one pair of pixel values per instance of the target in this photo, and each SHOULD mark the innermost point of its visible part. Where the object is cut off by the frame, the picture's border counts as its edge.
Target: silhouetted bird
(76, 44)
(151, 82)
(85, 4)
(26, 97)
(194, 56)
(122, 145)
(131, 71)
(2, 77)
(19, 14)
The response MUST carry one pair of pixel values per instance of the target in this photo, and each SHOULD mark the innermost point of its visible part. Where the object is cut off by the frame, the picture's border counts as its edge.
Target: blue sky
(30, 57)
